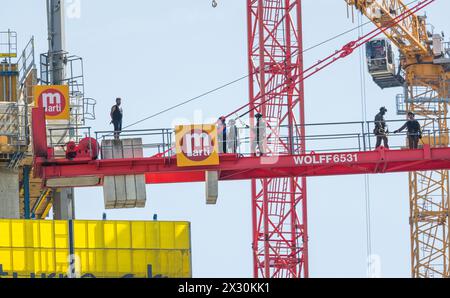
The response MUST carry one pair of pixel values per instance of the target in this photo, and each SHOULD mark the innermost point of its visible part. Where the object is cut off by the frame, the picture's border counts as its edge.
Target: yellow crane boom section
(409, 35)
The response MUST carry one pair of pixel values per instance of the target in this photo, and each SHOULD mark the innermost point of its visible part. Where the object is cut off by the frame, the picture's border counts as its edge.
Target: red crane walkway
(90, 171)
(233, 167)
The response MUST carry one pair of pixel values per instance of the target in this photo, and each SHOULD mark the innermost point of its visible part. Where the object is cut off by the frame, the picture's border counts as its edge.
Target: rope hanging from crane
(368, 212)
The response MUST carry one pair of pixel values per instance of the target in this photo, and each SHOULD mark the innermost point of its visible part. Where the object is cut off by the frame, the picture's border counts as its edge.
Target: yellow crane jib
(410, 35)
(425, 60)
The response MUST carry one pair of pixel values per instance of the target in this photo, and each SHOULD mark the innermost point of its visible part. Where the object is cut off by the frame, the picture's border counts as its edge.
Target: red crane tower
(279, 211)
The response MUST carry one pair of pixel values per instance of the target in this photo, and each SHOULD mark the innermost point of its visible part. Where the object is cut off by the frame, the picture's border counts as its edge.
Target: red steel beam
(275, 56)
(164, 170)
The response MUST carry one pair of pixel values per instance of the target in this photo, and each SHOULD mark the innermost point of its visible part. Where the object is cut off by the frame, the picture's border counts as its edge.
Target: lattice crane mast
(426, 65)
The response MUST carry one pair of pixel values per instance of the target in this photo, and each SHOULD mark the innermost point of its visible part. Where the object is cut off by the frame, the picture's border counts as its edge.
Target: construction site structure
(17, 77)
(65, 154)
(95, 249)
(281, 163)
(279, 205)
(425, 61)
(22, 192)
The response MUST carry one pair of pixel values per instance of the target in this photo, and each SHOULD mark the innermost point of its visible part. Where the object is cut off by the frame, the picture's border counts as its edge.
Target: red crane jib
(232, 167)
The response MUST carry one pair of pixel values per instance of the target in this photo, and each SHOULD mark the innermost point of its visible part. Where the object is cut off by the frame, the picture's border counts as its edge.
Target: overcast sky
(155, 54)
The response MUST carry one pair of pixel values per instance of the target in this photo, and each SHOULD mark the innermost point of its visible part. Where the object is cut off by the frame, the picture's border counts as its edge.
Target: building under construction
(47, 149)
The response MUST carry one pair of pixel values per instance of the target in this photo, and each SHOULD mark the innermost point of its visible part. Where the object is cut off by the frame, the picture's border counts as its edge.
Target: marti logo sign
(196, 145)
(54, 99)
(53, 102)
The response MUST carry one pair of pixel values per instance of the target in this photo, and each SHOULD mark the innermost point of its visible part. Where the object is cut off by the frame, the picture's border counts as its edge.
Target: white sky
(157, 53)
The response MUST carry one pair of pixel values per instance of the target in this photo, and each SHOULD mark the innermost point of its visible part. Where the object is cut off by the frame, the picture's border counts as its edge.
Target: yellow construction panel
(438, 140)
(196, 145)
(4, 140)
(122, 247)
(8, 83)
(33, 247)
(8, 55)
(55, 99)
(102, 248)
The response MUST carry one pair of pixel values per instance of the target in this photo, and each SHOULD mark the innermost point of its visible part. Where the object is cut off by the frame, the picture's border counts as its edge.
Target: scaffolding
(82, 108)
(14, 117)
(8, 44)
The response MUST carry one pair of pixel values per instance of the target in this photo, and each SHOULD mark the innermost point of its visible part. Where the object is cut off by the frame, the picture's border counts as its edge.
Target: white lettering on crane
(325, 158)
(52, 102)
(202, 144)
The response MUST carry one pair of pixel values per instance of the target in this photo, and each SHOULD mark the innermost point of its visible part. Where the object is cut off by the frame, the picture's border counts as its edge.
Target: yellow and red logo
(55, 101)
(196, 145)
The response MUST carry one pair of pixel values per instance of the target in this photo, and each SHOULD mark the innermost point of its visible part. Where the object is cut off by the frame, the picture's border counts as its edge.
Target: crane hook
(214, 3)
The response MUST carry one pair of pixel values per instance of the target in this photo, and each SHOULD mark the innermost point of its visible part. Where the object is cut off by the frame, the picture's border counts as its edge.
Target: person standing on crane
(222, 134)
(260, 133)
(116, 117)
(414, 131)
(232, 136)
(381, 128)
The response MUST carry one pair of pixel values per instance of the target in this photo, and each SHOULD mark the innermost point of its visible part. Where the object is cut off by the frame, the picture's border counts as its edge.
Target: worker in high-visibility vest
(414, 131)
(116, 117)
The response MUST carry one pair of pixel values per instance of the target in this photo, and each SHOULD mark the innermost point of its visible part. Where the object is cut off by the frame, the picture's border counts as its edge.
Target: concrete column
(9, 194)
(123, 191)
(211, 187)
(64, 204)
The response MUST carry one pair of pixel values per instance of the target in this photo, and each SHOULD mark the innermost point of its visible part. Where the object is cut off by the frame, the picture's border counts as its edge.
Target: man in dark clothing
(222, 134)
(381, 130)
(261, 136)
(116, 117)
(414, 132)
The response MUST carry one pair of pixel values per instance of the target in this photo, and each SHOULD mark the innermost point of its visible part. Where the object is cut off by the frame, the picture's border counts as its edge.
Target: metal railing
(13, 123)
(89, 108)
(8, 44)
(26, 62)
(154, 141)
(319, 137)
(446, 48)
(82, 108)
(58, 138)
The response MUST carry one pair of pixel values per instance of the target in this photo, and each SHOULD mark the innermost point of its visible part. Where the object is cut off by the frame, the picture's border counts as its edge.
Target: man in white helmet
(232, 136)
